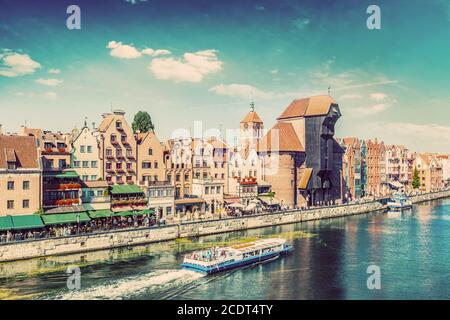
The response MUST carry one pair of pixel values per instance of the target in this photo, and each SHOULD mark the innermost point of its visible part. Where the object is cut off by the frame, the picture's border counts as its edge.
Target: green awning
(125, 189)
(100, 213)
(62, 175)
(133, 213)
(6, 223)
(63, 218)
(30, 221)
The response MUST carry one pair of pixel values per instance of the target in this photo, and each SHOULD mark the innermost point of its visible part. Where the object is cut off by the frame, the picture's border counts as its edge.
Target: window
(177, 177)
(11, 165)
(76, 163)
(82, 149)
(186, 190)
(25, 204)
(169, 177)
(108, 166)
(168, 210)
(89, 149)
(218, 189)
(118, 152)
(10, 185)
(155, 178)
(186, 177)
(93, 164)
(123, 138)
(156, 164)
(48, 145)
(10, 204)
(93, 177)
(129, 165)
(119, 178)
(26, 185)
(119, 165)
(146, 165)
(150, 151)
(206, 190)
(85, 177)
(99, 193)
(118, 124)
(129, 152)
(62, 163)
(108, 152)
(85, 164)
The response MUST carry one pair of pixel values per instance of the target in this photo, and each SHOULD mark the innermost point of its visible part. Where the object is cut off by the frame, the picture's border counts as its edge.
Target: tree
(416, 179)
(142, 122)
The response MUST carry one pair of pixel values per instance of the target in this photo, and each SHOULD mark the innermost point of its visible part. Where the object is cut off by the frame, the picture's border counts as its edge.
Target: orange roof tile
(19, 149)
(286, 136)
(308, 107)
(252, 116)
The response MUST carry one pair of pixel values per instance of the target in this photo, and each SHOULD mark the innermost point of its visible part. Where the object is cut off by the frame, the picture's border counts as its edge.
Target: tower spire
(252, 106)
(329, 90)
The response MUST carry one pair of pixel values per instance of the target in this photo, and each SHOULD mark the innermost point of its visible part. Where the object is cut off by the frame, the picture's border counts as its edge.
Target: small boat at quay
(399, 202)
(217, 259)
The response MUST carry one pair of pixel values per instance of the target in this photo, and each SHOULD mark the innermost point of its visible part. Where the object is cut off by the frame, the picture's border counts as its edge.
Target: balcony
(165, 183)
(61, 202)
(119, 128)
(109, 156)
(96, 200)
(130, 156)
(120, 182)
(120, 170)
(125, 142)
(121, 156)
(114, 142)
(110, 182)
(130, 170)
(110, 170)
(61, 186)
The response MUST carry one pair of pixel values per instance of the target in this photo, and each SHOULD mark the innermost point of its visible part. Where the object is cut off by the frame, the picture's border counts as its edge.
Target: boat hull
(235, 264)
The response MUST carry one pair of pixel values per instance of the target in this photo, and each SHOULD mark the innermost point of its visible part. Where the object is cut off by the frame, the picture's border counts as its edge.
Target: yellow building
(20, 175)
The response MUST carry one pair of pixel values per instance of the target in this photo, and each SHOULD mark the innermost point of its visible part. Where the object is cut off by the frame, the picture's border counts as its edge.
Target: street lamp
(78, 223)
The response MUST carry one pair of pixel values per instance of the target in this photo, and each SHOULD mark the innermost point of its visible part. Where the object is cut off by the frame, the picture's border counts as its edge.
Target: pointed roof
(252, 116)
(19, 149)
(308, 107)
(287, 139)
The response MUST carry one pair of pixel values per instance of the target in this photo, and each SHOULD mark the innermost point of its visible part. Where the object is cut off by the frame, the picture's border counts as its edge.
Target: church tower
(251, 130)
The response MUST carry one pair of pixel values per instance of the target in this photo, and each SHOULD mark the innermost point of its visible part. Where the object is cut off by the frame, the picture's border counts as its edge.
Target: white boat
(399, 202)
(220, 259)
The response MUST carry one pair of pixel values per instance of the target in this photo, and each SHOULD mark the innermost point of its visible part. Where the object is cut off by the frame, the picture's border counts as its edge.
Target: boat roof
(256, 245)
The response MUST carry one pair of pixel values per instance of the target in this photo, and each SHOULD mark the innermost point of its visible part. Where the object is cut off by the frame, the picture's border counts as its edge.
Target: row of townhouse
(373, 168)
(297, 162)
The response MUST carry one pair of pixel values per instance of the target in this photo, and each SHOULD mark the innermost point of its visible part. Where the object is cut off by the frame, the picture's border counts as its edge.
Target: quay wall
(122, 238)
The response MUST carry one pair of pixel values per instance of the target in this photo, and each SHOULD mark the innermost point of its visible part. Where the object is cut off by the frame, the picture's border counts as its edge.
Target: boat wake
(151, 283)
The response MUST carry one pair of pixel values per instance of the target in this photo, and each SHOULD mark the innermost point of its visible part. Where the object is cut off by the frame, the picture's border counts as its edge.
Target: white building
(85, 155)
(211, 191)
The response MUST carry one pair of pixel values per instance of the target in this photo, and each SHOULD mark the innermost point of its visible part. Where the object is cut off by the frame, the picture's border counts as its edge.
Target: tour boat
(225, 258)
(399, 202)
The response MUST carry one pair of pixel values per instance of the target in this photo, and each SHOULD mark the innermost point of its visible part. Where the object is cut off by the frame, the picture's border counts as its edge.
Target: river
(329, 261)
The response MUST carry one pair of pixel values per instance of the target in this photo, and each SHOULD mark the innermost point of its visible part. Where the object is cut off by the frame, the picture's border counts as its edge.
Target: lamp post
(78, 223)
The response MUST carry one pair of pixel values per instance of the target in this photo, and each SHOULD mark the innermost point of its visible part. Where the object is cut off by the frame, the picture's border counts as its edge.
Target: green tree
(142, 122)
(416, 179)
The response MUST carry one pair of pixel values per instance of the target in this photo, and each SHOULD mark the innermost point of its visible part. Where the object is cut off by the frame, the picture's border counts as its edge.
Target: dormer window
(12, 165)
(119, 124)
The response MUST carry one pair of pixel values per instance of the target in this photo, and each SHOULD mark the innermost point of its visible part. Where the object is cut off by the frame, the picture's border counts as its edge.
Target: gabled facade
(85, 152)
(117, 149)
(302, 160)
(20, 175)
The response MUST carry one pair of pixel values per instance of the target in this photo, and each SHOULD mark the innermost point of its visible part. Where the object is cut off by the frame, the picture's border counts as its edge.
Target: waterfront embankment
(122, 238)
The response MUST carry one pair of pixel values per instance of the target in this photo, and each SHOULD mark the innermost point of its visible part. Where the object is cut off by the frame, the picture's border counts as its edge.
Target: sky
(188, 61)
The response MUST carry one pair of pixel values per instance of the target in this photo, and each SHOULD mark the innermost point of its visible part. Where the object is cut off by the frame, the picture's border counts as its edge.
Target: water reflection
(330, 261)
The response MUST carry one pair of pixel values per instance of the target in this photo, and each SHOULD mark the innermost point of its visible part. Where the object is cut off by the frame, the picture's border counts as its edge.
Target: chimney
(93, 126)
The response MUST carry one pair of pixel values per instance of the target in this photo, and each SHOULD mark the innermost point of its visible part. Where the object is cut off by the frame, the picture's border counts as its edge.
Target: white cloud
(155, 53)
(123, 51)
(378, 96)
(350, 96)
(49, 82)
(126, 51)
(418, 137)
(301, 23)
(191, 68)
(274, 71)
(54, 71)
(50, 95)
(16, 64)
(371, 110)
(243, 91)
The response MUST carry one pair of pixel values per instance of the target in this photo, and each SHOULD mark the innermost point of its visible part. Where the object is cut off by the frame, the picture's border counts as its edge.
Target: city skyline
(208, 63)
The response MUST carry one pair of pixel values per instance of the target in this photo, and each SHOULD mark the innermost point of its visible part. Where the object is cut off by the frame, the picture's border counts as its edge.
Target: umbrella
(250, 207)
(237, 205)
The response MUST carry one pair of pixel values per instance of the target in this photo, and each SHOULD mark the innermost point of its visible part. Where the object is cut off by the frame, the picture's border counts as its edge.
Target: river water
(329, 261)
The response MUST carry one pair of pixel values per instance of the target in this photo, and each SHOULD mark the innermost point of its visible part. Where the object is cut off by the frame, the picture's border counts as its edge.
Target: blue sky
(186, 61)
